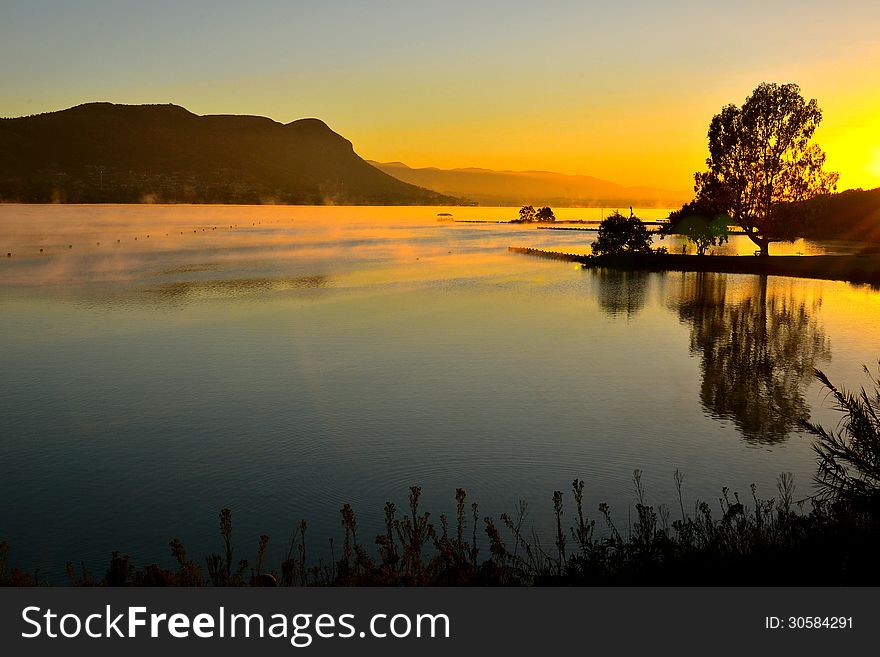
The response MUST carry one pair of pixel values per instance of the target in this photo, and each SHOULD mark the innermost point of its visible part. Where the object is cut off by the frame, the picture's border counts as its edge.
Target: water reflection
(226, 356)
(758, 347)
(236, 286)
(620, 291)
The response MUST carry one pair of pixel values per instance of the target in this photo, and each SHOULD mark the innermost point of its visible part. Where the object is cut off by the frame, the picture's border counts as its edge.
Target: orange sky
(623, 91)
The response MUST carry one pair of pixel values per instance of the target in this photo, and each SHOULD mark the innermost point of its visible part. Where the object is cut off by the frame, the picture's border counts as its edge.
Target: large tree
(761, 159)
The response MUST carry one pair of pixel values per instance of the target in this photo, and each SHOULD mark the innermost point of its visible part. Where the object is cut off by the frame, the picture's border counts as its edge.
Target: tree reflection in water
(621, 291)
(758, 348)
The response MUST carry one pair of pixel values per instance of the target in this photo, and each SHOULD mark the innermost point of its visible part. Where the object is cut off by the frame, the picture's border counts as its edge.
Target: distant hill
(850, 215)
(490, 187)
(101, 152)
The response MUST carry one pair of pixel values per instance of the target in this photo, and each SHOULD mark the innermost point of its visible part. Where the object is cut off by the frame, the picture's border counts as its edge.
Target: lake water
(161, 362)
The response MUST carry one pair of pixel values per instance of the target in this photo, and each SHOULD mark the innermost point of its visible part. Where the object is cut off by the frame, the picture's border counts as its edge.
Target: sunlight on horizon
(624, 93)
(874, 165)
(852, 144)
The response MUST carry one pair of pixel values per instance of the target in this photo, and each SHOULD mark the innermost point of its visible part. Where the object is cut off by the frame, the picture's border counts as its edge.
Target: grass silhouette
(828, 539)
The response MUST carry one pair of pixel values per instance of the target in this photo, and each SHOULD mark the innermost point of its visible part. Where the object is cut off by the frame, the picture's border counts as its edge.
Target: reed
(767, 541)
(831, 538)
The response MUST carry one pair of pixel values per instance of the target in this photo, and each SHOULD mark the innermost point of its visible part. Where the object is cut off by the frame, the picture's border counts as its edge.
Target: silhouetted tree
(527, 213)
(618, 234)
(545, 214)
(761, 158)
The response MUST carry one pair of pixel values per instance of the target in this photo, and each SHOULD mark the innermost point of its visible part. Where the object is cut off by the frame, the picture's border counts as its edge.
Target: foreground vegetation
(744, 541)
(828, 539)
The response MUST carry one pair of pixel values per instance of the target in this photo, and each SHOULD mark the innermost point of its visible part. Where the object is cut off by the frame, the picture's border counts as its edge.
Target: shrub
(619, 234)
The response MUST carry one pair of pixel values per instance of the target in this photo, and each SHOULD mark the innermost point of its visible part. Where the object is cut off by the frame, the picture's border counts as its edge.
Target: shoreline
(862, 269)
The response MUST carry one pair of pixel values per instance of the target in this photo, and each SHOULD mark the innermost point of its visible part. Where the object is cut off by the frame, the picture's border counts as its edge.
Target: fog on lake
(161, 362)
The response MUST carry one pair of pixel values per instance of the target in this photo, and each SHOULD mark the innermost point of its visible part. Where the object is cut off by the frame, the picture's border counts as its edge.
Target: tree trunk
(762, 243)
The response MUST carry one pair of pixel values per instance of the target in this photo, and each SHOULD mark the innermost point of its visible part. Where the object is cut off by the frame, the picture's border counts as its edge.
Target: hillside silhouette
(852, 215)
(489, 187)
(103, 152)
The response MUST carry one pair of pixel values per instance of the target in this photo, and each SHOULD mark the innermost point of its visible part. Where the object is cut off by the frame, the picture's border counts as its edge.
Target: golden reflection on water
(263, 248)
(235, 287)
(740, 245)
(757, 340)
(215, 250)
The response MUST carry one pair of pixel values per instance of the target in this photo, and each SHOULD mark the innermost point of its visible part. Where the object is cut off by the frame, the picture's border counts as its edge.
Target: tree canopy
(703, 232)
(761, 159)
(619, 234)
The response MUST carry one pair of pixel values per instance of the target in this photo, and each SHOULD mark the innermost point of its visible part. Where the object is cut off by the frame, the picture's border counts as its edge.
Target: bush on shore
(618, 234)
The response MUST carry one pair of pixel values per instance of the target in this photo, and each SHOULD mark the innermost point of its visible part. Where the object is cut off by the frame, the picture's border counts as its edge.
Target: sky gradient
(619, 90)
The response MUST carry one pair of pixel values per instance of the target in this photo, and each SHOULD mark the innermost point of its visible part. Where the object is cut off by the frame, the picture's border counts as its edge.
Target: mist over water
(161, 362)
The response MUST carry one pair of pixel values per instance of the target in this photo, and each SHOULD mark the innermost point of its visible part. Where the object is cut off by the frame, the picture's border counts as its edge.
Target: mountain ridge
(507, 187)
(107, 152)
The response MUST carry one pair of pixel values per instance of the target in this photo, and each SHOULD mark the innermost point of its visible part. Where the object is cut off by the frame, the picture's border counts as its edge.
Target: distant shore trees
(761, 159)
(527, 214)
(618, 234)
(545, 214)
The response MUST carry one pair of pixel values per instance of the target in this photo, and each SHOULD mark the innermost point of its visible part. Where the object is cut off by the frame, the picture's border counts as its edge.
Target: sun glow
(450, 93)
(874, 163)
(853, 153)
(850, 133)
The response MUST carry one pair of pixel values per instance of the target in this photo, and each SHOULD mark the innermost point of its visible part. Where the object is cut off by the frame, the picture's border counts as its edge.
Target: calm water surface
(161, 362)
